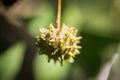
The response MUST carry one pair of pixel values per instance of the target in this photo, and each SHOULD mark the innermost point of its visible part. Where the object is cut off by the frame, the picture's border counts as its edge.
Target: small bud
(77, 47)
(78, 38)
(52, 40)
(61, 44)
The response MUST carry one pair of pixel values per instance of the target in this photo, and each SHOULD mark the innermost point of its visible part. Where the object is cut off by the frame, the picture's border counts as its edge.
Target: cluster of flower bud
(59, 44)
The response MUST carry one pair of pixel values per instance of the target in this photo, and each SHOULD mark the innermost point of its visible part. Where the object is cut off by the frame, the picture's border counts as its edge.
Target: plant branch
(58, 22)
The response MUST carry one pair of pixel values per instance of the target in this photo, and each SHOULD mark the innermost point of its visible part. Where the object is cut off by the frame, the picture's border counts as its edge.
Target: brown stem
(58, 22)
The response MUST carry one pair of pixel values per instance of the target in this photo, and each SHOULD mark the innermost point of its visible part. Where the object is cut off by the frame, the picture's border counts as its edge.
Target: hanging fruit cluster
(59, 44)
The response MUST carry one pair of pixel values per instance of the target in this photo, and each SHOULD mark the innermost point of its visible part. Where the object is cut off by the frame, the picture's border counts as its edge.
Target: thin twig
(58, 22)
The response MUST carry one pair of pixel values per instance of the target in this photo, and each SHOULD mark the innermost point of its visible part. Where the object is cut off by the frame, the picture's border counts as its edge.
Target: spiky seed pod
(59, 44)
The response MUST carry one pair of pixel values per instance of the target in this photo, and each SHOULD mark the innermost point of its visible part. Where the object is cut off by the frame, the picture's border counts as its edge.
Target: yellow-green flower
(59, 44)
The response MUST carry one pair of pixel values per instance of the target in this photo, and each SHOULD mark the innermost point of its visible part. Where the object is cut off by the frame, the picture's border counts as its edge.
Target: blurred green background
(97, 21)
